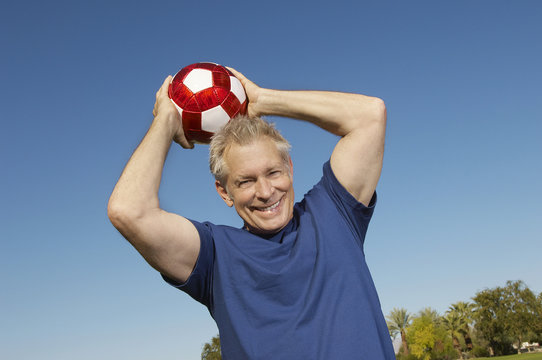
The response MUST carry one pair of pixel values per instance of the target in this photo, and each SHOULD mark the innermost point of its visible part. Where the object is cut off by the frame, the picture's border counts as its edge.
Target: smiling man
(292, 283)
(259, 176)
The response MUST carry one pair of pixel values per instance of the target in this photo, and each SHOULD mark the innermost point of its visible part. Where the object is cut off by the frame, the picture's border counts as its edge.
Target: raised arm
(169, 242)
(359, 120)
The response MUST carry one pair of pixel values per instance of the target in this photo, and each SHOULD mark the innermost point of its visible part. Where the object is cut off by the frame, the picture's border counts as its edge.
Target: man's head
(253, 171)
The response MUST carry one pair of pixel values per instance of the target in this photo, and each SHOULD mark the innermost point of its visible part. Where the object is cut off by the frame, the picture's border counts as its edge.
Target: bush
(479, 351)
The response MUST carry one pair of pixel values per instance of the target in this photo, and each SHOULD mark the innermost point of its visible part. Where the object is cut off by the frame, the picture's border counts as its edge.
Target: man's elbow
(121, 215)
(115, 213)
(371, 114)
(378, 110)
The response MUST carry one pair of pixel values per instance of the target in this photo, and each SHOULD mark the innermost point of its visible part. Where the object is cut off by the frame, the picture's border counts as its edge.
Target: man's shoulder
(214, 229)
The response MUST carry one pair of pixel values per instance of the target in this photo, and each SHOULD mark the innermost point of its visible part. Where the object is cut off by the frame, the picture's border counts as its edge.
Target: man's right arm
(168, 242)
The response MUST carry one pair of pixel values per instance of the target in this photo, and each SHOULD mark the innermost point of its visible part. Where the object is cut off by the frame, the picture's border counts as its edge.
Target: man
(293, 282)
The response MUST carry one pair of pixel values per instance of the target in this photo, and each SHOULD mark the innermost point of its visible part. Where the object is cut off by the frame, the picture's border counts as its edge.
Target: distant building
(528, 347)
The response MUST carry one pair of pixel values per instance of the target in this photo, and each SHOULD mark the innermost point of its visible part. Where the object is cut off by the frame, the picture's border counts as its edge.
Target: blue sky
(459, 199)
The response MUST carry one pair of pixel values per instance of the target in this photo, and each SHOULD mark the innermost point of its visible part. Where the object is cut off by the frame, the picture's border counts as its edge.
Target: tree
(211, 350)
(442, 347)
(453, 323)
(538, 319)
(465, 311)
(431, 314)
(523, 311)
(398, 321)
(421, 337)
(506, 315)
(490, 319)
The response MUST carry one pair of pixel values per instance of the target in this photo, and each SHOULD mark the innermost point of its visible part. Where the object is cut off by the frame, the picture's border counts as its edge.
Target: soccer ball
(207, 96)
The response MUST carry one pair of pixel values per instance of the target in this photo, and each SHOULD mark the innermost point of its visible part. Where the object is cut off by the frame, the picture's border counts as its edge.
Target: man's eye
(244, 183)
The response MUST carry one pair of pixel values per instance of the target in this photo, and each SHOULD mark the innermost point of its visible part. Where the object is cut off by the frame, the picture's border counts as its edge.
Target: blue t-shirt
(303, 293)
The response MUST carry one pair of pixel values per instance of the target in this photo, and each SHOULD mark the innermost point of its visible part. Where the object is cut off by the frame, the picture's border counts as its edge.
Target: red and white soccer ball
(207, 96)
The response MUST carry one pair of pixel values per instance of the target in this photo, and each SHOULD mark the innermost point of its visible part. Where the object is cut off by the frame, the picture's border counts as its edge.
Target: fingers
(163, 91)
(184, 142)
(238, 75)
(162, 94)
(235, 72)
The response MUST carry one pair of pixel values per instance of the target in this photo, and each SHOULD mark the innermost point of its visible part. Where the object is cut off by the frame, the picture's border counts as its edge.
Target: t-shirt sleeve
(355, 213)
(200, 282)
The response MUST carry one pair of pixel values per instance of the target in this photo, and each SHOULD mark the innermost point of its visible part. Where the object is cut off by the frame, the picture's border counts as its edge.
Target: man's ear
(221, 190)
(291, 167)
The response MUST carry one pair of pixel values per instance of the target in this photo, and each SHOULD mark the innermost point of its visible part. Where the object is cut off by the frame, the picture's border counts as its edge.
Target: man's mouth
(269, 208)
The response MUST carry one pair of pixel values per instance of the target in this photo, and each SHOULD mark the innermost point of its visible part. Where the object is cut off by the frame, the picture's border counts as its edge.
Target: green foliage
(453, 322)
(443, 349)
(480, 351)
(398, 321)
(507, 315)
(496, 319)
(421, 337)
(431, 314)
(211, 350)
(427, 338)
(465, 312)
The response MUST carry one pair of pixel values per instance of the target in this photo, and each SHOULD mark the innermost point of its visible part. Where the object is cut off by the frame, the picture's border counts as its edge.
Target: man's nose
(264, 189)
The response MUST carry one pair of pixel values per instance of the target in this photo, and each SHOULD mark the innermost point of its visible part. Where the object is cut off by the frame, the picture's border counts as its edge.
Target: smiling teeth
(272, 206)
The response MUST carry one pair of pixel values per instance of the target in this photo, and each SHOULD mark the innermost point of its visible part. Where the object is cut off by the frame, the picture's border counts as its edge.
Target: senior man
(292, 283)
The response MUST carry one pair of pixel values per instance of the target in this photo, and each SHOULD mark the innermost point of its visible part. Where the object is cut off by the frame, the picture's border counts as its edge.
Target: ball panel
(221, 94)
(231, 105)
(243, 107)
(192, 127)
(179, 77)
(179, 94)
(221, 79)
(191, 124)
(179, 109)
(191, 120)
(209, 98)
(198, 79)
(192, 105)
(213, 119)
(205, 65)
(238, 89)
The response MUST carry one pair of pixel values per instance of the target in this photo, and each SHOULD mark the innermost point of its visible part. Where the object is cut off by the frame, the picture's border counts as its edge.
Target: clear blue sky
(459, 199)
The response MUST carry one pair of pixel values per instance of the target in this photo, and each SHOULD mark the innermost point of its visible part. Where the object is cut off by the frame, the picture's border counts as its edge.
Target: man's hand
(164, 109)
(252, 90)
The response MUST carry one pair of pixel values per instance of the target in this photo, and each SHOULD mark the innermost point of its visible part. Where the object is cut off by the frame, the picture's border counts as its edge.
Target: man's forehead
(252, 156)
(263, 145)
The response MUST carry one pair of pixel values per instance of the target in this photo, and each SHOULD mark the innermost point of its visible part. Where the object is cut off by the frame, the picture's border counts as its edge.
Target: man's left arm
(359, 120)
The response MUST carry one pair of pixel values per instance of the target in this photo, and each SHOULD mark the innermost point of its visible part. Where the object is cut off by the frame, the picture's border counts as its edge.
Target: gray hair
(242, 130)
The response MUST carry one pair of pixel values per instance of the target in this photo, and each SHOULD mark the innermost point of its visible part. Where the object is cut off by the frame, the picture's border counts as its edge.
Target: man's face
(259, 185)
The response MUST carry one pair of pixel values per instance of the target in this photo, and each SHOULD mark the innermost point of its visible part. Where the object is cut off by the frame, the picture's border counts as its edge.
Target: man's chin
(266, 229)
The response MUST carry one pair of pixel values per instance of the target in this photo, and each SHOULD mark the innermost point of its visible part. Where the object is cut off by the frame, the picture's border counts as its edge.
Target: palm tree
(430, 314)
(465, 311)
(398, 321)
(211, 350)
(453, 323)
